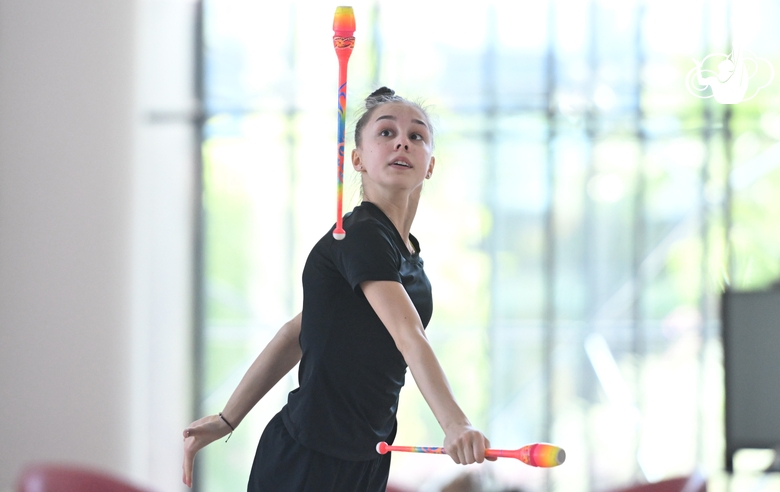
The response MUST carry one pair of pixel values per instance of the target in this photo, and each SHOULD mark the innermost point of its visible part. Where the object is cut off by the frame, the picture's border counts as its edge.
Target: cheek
(381, 148)
(371, 155)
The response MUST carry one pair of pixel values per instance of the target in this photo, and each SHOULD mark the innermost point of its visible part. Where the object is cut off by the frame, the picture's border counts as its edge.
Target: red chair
(393, 488)
(62, 478)
(694, 483)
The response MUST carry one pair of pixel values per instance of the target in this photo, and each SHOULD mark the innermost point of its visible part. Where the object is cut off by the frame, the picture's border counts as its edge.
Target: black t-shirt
(351, 372)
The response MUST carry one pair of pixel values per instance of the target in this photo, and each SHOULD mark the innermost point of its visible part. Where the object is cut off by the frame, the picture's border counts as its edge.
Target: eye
(386, 133)
(416, 136)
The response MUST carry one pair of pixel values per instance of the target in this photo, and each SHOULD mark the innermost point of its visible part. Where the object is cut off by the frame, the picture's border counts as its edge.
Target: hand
(466, 445)
(197, 436)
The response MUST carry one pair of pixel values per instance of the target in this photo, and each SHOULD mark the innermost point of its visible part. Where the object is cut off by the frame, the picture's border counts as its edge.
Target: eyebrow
(391, 117)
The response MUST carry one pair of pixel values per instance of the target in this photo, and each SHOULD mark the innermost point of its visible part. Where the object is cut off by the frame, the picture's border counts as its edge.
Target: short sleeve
(367, 253)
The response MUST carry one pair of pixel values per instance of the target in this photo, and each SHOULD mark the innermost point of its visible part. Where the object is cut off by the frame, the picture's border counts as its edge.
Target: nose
(399, 144)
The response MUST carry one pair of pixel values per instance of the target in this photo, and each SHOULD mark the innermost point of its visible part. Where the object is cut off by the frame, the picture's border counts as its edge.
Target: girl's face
(395, 153)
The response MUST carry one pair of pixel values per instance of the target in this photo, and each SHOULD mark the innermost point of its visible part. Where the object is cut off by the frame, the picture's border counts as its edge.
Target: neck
(400, 208)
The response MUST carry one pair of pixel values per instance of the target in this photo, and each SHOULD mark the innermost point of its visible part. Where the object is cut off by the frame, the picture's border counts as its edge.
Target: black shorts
(283, 465)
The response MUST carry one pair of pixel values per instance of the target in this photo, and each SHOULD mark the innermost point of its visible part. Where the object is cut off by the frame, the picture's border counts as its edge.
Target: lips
(401, 163)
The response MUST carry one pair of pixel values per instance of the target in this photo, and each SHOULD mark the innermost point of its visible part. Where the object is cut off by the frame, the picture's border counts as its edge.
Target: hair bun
(381, 92)
(381, 95)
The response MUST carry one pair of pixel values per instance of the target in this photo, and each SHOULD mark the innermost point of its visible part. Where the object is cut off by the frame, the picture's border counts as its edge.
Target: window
(586, 213)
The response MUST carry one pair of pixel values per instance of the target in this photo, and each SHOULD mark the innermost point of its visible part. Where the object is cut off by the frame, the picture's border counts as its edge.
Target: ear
(357, 164)
(430, 168)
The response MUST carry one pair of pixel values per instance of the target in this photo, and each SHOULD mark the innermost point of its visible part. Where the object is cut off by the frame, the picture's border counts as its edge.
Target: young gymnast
(366, 303)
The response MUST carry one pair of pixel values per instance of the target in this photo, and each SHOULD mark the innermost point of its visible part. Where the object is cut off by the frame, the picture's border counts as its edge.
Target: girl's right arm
(464, 443)
(279, 356)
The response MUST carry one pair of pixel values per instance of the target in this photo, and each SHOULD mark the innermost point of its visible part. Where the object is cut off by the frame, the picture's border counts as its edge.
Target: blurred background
(166, 166)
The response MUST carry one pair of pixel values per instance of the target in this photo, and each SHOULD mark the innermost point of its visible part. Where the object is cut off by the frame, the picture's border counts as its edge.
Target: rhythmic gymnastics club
(343, 42)
(540, 454)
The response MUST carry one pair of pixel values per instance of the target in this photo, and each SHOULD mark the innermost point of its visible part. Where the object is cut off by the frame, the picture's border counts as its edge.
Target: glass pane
(586, 213)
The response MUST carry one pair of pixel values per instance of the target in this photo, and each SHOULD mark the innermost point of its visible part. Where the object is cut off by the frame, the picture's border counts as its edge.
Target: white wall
(165, 174)
(95, 236)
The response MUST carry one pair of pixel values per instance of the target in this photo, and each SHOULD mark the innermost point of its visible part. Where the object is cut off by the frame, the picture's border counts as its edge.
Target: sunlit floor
(438, 474)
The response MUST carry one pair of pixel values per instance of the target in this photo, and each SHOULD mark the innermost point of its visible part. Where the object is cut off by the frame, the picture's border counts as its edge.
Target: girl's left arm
(464, 443)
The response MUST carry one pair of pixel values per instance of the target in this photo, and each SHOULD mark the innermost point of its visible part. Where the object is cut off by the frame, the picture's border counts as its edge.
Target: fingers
(191, 447)
(187, 466)
(459, 455)
(469, 455)
(193, 442)
(199, 426)
(464, 454)
(487, 446)
(197, 436)
(477, 449)
(192, 432)
(468, 447)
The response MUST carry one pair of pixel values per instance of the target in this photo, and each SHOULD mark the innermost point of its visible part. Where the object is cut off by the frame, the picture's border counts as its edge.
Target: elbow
(290, 333)
(411, 343)
(292, 329)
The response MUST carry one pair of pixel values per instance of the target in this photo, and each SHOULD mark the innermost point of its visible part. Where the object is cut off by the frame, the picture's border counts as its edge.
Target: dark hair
(381, 96)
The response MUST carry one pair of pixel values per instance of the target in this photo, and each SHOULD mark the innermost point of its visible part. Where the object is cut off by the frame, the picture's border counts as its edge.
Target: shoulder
(367, 252)
(366, 225)
(366, 235)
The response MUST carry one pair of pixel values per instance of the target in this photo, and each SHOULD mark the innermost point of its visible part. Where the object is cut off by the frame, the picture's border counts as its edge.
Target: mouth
(400, 163)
